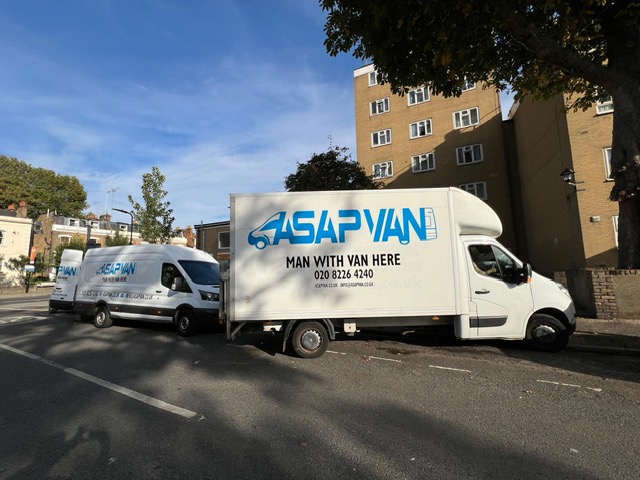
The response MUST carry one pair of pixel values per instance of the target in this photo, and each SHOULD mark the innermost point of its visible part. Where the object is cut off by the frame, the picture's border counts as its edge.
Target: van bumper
(207, 315)
(570, 313)
(60, 305)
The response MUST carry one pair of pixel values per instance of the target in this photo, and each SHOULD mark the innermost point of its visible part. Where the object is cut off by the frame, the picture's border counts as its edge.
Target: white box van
(156, 283)
(311, 264)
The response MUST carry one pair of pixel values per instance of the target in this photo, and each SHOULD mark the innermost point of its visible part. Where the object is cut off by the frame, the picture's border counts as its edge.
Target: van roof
(175, 252)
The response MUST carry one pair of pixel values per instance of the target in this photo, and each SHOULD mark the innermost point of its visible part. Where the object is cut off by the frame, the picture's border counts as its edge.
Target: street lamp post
(131, 226)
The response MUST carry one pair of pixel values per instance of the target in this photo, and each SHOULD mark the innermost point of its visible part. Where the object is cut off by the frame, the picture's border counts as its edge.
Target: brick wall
(603, 293)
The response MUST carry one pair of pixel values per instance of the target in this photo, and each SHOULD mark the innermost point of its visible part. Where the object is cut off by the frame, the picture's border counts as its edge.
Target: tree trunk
(625, 166)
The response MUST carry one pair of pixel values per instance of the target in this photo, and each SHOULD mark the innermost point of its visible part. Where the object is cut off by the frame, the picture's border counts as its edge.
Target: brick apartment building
(421, 140)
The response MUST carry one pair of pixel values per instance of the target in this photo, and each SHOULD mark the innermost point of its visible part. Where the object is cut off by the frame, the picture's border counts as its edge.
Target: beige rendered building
(420, 140)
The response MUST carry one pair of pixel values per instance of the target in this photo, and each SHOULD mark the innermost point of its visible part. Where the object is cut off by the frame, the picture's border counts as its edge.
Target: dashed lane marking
(154, 402)
(569, 385)
(449, 368)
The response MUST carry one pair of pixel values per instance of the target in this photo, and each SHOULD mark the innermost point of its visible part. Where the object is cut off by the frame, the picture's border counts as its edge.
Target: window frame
(3, 237)
(605, 107)
(385, 103)
(62, 238)
(471, 148)
(387, 133)
(606, 154)
(373, 78)
(426, 95)
(461, 114)
(615, 219)
(468, 187)
(221, 245)
(388, 169)
(467, 85)
(428, 128)
(417, 160)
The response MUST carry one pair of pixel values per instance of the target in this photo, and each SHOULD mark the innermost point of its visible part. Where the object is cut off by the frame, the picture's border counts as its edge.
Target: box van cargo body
(311, 264)
(158, 283)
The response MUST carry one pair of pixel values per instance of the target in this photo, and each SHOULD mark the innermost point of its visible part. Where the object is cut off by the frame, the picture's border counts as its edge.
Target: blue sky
(223, 96)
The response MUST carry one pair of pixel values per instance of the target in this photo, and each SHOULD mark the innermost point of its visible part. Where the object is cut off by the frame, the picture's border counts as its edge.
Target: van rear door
(62, 296)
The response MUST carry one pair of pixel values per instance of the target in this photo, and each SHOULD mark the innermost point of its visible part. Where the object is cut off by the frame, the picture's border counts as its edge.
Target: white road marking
(337, 353)
(384, 359)
(449, 368)
(154, 402)
(569, 385)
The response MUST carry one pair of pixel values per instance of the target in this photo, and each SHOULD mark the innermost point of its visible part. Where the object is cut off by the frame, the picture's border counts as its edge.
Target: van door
(499, 302)
(62, 295)
(174, 287)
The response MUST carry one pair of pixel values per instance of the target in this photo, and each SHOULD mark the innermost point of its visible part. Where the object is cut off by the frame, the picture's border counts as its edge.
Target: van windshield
(202, 273)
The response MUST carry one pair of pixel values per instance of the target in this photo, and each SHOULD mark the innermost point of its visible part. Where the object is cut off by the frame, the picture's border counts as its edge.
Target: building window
(605, 106)
(418, 95)
(420, 129)
(479, 189)
(2, 237)
(606, 153)
(466, 118)
(467, 85)
(469, 154)
(424, 162)
(383, 137)
(380, 106)
(615, 228)
(73, 222)
(373, 78)
(224, 240)
(383, 170)
(64, 239)
(94, 224)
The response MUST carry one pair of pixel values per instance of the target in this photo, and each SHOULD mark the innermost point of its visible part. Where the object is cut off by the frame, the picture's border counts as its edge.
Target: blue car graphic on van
(265, 234)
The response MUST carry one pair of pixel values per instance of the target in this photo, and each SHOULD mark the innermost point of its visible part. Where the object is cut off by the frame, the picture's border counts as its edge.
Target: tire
(186, 323)
(310, 340)
(546, 333)
(53, 310)
(102, 319)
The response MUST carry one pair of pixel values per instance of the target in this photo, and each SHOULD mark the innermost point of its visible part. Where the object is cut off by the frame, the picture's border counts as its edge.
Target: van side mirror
(523, 275)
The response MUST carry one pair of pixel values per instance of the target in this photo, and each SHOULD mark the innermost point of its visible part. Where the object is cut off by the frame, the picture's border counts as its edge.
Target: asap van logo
(313, 227)
(117, 268)
(67, 270)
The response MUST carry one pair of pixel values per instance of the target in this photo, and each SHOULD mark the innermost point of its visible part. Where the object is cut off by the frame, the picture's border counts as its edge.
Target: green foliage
(117, 240)
(332, 170)
(18, 263)
(42, 189)
(75, 243)
(155, 218)
(539, 47)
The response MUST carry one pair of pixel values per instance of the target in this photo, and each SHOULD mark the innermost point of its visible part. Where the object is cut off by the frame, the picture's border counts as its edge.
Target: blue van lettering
(315, 227)
(117, 268)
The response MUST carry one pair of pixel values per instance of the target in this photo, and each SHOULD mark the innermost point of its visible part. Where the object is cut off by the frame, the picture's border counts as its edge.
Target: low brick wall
(603, 292)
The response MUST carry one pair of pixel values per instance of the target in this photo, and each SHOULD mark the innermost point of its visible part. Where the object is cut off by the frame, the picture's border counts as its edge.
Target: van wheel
(53, 310)
(310, 340)
(186, 323)
(101, 318)
(546, 333)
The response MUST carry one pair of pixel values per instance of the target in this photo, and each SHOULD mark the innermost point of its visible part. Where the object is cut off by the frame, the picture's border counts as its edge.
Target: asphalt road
(138, 401)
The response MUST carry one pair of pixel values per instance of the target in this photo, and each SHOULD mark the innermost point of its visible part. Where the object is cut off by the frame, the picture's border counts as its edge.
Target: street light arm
(131, 225)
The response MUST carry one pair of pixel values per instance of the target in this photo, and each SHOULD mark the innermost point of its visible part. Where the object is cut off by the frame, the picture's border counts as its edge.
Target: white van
(156, 283)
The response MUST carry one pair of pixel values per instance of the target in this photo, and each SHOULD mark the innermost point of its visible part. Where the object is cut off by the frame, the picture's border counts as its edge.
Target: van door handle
(160, 291)
(484, 291)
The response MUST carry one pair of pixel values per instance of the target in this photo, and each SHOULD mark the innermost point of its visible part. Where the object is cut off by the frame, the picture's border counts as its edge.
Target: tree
(42, 189)
(116, 240)
(18, 264)
(76, 242)
(155, 218)
(332, 170)
(537, 47)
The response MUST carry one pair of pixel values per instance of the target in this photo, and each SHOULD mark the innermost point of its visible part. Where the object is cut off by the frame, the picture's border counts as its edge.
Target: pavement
(612, 337)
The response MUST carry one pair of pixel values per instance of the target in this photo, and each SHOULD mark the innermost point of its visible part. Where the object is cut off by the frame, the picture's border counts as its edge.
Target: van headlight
(209, 296)
(563, 290)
